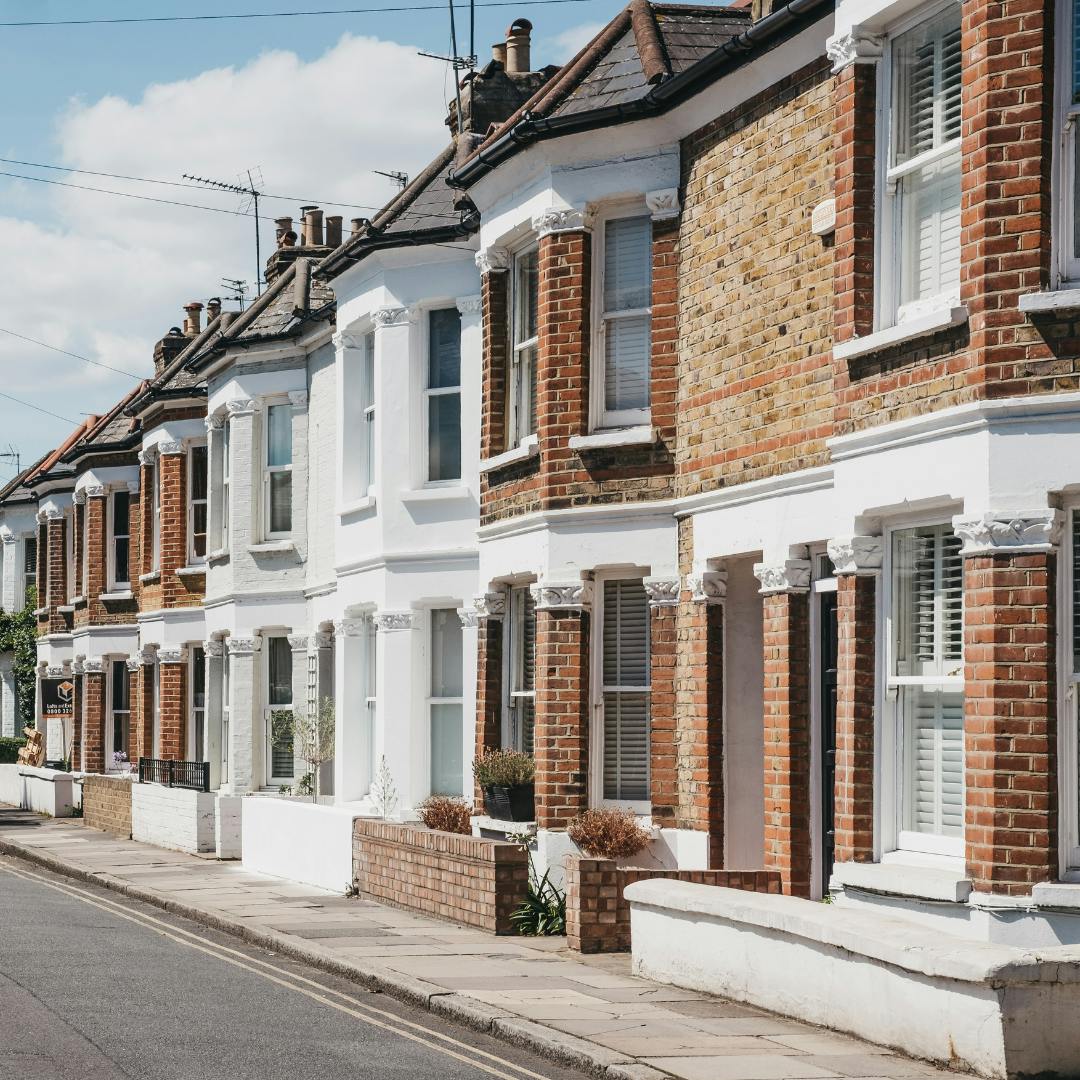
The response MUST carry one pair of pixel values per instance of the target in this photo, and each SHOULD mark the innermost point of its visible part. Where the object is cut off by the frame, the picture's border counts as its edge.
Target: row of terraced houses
(701, 421)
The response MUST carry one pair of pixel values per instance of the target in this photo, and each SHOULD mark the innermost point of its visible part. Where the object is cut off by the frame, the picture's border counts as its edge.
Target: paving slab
(590, 1011)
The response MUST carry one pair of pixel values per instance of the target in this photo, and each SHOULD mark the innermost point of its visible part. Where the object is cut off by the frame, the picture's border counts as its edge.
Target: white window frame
(367, 382)
(192, 502)
(116, 582)
(226, 480)
(427, 393)
(268, 470)
(642, 807)
(195, 752)
(895, 839)
(69, 551)
(112, 712)
(518, 377)
(512, 733)
(888, 310)
(1066, 145)
(1068, 707)
(601, 418)
(84, 572)
(29, 576)
(272, 778)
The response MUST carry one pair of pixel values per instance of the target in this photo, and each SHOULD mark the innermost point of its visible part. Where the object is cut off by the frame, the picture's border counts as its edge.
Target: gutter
(774, 29)
(331, 266)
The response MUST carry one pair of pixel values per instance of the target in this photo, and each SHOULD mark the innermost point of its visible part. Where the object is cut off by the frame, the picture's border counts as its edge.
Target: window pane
(444, 437)
(279, 435)
(526, 294)
(1076, 590)
(119, 685)
(928, 602)
(626, 363)
(444, 348)
(934, 767)
(930, 231)
(446, 749)
(628, 264)
(928, 69)
(30, 555)
(198, 678)
(121, 555)
(626, 634)
(446, 655)
(198, 473)
(121, 503)
(281, 502)
(1076, 50)
(626, 746)
(198, 530)
(279, 667)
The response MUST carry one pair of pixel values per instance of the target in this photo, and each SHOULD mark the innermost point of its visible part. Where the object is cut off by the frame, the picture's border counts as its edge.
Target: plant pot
(510, 803)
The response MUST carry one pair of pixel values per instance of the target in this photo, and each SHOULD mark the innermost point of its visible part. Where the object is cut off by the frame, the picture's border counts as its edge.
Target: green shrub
(9, 750)
(504, 768)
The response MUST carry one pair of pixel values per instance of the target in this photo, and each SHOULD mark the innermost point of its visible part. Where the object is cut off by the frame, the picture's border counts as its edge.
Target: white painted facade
(18, 561)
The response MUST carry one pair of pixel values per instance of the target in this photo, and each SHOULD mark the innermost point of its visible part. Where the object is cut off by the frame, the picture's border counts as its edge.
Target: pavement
(582, 1012)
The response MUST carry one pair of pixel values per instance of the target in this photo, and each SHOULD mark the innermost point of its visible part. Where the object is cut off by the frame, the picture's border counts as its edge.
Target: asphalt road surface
(94, 986)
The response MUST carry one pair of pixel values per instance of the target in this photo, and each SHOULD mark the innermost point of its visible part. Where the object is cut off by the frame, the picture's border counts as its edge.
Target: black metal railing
(193, 775)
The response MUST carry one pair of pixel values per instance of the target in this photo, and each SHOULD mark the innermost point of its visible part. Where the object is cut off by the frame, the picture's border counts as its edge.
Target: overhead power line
(274, 14)
(65, 352)
(37, 408)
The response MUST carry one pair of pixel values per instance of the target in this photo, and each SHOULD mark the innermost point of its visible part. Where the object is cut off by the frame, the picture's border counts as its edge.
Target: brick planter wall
(106, 803)
(597, 916)
(460, 878)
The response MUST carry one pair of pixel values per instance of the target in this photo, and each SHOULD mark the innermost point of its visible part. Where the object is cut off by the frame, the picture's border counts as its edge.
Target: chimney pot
(357, 223)
(333, 230)
(518, 36)
(282, 225)
(213, 309)
(498, 53)
(193, 322)
(304, 228)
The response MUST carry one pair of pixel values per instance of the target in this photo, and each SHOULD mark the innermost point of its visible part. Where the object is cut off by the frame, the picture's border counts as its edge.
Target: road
(94, 986)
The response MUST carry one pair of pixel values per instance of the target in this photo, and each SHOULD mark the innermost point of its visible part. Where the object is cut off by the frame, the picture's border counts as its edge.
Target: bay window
(1068, 113)
(119, 540)
(524, 338)
(198, 479)
(520, 705)
(277, 476)
(921, 211)
(925, 685)
(445, 703)
(442, 395)
(279, 704)
(622, 681)
(623, 345)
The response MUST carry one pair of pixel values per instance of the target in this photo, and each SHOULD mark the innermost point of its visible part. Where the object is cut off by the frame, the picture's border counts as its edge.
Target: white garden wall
(173, 818)
(45, 791)
(298, 840)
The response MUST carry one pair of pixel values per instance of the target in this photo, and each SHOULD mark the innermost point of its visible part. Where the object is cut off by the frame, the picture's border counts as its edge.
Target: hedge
(9, 750)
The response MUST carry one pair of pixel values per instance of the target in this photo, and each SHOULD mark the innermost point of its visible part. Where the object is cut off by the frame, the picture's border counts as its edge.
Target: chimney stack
(193, 321)
(333, 231)
(517, 46)
(213, 309)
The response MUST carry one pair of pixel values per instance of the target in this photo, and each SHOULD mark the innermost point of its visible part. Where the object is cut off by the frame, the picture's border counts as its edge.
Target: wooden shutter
(936, 733)
(930, 609)
(625, 643)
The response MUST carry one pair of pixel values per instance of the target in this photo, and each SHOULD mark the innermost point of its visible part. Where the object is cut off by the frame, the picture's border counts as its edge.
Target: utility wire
(37, 408)
(54, 348)
(275, 14)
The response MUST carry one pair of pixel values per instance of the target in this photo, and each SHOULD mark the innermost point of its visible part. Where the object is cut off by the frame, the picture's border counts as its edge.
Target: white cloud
(106, 277)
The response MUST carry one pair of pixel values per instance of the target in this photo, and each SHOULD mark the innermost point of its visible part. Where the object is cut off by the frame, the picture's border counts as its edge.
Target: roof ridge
(650, 44)
(406, 198)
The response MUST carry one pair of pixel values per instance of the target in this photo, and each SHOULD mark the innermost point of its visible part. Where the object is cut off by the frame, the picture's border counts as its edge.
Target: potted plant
(506, 779)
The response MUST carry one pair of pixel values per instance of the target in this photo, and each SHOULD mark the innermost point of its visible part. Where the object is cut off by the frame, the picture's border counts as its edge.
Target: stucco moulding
(243, 646)
(663, 204)
(214, 648)
(241, 406)
(493, 260)
(298, 642)
(349, 627)
(857, 554)
(172, 656)
(468, 617)
(395, 620)
(662, 592)
(173, 446)
(790, 576)
(708, 587)
(997, 533)
(557, 219)
(856, 47)
(571, 596)
(491, 605)
(470, 305)
(389, 316)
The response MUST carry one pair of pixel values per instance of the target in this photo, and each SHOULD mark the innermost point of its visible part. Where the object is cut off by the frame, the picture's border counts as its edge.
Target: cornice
(790, 576)
(862, 555)
(998, 532)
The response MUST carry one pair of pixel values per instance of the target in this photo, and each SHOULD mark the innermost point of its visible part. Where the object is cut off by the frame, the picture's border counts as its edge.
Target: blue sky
(306, 99)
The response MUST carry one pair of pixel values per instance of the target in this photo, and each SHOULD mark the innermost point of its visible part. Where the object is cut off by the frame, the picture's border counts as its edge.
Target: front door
(827, 647)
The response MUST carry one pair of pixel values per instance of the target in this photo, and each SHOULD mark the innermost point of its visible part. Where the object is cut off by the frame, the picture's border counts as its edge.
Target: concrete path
(587, 1012)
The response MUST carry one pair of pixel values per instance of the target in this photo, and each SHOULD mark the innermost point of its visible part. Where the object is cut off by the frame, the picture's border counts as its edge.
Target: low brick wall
(460, 878)
(107, 804)
(597, 916)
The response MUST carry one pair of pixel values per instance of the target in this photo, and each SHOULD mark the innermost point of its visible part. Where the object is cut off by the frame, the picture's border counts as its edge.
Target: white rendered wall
(173, 818)
(298, 840)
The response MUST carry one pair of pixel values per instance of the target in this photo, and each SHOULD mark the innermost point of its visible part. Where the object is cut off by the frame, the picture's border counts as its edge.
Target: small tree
(309, 734)
(383, 791)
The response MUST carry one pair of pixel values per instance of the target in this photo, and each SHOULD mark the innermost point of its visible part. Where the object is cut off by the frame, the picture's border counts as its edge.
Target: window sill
(150, 579)
(191, 571)
(66, 609)
(1064, 896)
(79, 601)
(1051, 302)
(357, 507)
(496, 825)
(217, 556)
(272, 547)
(903, 879)
(529, 448)
(642, 435)
(436, 494)
(107, 597)
(41, 612)
(909, 330)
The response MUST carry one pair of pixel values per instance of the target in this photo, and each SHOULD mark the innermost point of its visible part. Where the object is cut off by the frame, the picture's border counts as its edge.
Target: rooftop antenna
(238, 288)
(252, 194)
(460, 63)
(399, 178)
(12, 454)
(472, 34)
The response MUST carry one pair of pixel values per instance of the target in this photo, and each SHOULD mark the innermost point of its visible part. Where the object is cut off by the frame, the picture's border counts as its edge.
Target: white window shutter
(626, 709)
(627, 288)
(936, 733)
